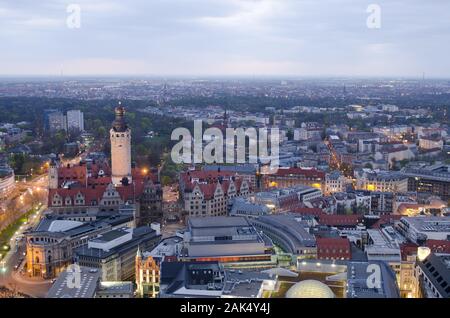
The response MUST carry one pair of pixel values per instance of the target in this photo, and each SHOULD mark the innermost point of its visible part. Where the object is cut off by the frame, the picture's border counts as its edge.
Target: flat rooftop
(221, 227)
(65, 286)
(291, 225)
(430, 223)
(110, 236)
(357, 274)
(244, 283)
(217, 221)
(115, 288)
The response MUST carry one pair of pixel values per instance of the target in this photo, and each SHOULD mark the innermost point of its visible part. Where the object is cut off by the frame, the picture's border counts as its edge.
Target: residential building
(7, 181)
(431, 179)
(433, 275)
(75, 120)
(333, 248)
(335, 182)
(57, 121)
(419, 229)
(382, 181)
(289, 177)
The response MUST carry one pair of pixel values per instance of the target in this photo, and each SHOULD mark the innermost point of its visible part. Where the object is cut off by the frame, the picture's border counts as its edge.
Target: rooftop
(429, 223)
(100, 251)
(437, 269)
(66, 285)
(357, 277)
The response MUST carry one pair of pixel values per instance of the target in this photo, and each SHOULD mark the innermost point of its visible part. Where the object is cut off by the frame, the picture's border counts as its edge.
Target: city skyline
(226, 38)
(236, 152)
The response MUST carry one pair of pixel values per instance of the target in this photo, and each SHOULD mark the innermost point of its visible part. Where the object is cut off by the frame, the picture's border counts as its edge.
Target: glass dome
(309, 289)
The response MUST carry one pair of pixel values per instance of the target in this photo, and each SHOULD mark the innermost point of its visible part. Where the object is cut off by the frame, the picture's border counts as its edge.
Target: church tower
(120, 136)
(53, 175)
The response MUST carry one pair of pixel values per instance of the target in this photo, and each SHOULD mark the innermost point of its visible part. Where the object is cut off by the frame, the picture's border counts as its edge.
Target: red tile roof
(333, 248)
(438, 246)
(408, 249)
(95, 193)
(308, 211)
(386, 219)
(311, 173)
(333, 242)
(340, 220)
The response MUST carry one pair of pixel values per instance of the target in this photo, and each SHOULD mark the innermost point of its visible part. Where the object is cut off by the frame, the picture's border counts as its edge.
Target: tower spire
(119, 123)
(139, 252)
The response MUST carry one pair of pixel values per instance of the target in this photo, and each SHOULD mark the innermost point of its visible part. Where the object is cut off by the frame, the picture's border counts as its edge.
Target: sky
(225, 38)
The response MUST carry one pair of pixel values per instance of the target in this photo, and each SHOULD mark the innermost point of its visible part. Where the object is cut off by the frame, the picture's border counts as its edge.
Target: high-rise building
(75, 120)
(57, 121)
(7, 183)
(120, 135)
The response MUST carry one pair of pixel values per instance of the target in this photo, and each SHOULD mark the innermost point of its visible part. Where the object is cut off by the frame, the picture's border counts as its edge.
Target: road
(12, 266)
(24, 190)
(12, 271)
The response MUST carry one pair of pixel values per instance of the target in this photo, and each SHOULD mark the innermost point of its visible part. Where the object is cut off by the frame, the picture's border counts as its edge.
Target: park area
(7, 233)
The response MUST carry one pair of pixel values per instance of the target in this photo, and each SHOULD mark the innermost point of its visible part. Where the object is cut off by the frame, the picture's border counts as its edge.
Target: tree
(166, 180)
(290, 134)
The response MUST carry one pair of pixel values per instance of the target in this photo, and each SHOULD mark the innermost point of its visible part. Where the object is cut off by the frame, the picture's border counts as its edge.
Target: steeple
(225, 118)
(139, 253)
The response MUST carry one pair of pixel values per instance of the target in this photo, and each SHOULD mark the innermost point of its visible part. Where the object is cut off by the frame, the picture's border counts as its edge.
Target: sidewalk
(23, 279)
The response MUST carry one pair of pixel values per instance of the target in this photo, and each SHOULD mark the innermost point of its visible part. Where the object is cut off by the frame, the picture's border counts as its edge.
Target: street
(12, 265)
(22, 198)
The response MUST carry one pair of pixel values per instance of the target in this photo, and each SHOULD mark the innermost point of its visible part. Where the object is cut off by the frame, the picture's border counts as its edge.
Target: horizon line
(228, 76)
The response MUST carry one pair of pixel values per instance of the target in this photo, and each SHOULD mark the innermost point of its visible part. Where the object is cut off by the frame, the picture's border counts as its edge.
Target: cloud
(41, 22)
(282, 37)
(247, 13)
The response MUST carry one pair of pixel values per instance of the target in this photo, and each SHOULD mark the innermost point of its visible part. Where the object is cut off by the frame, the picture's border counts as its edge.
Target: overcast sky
(225, 37)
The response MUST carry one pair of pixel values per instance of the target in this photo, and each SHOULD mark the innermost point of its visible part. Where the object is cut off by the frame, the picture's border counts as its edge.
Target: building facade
(7, 181)
(75, 120)
(120, 136)
(49, 248)
(289, 177)
(212, 195)
(114, 252)
(381, 181)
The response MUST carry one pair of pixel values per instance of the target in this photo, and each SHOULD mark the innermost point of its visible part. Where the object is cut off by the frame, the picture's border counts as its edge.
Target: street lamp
(3, 267)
